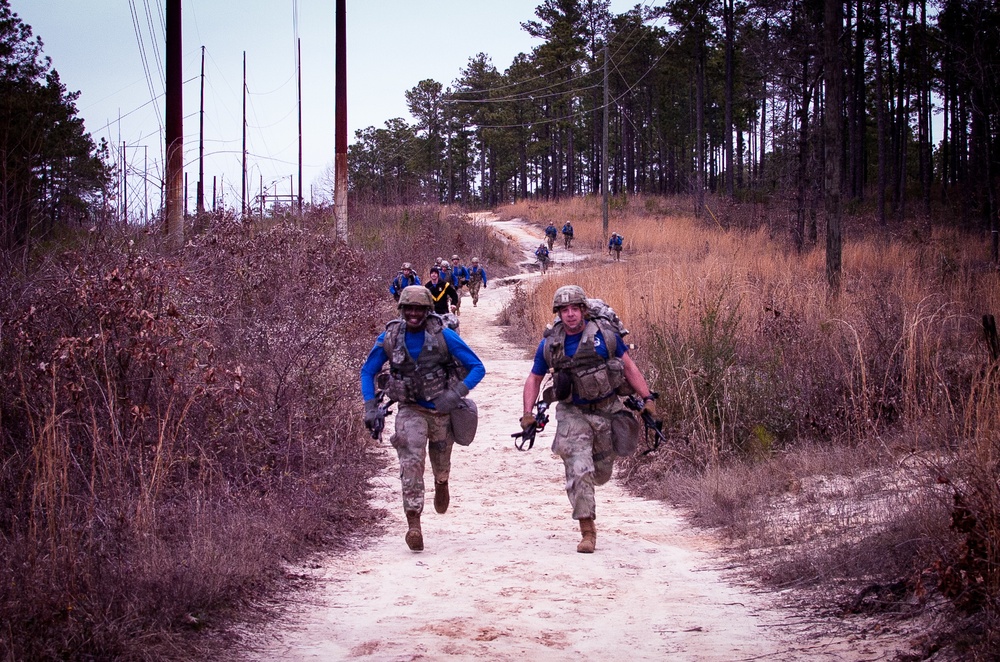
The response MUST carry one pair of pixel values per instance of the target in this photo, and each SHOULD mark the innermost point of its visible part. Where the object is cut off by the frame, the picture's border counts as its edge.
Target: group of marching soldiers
(445, 281)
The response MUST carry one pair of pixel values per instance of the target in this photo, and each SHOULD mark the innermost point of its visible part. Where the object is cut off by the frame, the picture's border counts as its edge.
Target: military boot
(414, 538)
(589, 541)
(441, 497)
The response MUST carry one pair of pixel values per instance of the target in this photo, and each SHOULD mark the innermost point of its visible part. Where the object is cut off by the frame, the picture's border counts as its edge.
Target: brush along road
(500, 578)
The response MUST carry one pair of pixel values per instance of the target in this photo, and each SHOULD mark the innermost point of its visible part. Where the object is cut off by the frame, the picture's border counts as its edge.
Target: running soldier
(477, 278)
(591, 365)
(404, 278)
(459, 279)
(550, 235)
(431, 370)
(615, 244)
(567, 231)
(542, 255)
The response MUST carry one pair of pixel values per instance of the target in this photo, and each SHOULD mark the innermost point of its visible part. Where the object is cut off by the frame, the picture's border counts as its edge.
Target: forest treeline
(717, 95)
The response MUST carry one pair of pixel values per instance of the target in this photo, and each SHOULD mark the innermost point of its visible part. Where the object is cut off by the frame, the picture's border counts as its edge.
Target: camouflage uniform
(583, 441)
(421, 432)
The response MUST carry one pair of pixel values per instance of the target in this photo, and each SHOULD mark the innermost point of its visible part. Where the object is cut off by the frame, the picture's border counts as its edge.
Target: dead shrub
(172, 433)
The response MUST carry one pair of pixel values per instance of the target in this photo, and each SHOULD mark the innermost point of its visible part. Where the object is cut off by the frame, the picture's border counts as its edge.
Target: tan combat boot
(441, 497)
(589, 541)
(414, 538)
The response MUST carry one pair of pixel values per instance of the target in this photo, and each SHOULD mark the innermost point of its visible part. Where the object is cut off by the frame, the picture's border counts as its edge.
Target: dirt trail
(500, 578)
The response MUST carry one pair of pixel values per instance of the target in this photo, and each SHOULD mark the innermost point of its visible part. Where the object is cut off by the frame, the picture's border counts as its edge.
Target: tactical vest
(476, 275)
(425, 378)
(593, 377)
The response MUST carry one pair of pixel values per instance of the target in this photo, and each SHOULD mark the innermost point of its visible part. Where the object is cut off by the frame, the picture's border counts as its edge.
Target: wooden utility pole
(173, 205)
(604, 150)
(200, 194)
(340, 163)
(243, 186)
(298, 57)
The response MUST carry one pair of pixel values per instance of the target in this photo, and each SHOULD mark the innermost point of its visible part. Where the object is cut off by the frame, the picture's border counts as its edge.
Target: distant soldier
(615, 244)
(542, 255)
(477, 278)
(459, 279)
(567, 231)
(404, 278)
(550, 234)
(445, 268)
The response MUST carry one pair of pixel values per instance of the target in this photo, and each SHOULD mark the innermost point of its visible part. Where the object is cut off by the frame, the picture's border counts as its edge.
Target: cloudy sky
(99, 47)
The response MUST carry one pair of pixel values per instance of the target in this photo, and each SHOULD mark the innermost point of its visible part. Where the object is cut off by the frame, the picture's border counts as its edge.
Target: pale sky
(392, 45)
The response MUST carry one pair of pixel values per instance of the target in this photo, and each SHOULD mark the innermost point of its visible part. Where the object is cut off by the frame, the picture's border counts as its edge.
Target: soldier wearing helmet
(477, 279)
(459, 279)
(591, 365)
(542, 254)
(404, 278)
(445, 269)
(550, 234)
(567, 232)
(615, 244)
(431, 370)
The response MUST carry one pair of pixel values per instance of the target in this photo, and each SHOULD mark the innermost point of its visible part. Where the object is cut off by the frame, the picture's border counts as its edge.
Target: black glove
(371, 413)
(450, 399)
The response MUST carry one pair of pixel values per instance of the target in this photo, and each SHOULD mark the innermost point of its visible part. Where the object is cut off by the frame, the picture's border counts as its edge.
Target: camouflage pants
(474, 286)
(583, 441)
(421, 432)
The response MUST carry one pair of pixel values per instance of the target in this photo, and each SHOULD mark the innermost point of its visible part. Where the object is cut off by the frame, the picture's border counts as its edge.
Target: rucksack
(598, 308)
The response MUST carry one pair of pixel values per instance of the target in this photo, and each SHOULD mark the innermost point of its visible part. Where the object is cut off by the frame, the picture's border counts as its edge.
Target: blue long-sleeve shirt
(458, 274)
(414, 344)
(400, 282)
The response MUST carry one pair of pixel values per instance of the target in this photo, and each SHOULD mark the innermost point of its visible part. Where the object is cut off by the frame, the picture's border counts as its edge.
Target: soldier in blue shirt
(590, 365)
(550, 234)
(404, 278)
(459, 279)
(431, 370)
(567, 230)
(477, 279)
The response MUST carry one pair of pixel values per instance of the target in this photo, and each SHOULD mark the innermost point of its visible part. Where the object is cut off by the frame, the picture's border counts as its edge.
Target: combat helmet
(407, 265)
(475, 260)
(566, 296)
(415, 295)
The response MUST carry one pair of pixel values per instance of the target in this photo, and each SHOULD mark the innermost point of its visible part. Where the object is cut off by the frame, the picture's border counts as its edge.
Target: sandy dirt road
(500, 578)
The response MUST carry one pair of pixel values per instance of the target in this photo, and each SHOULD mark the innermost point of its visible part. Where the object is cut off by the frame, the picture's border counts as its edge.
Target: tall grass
(754, 361)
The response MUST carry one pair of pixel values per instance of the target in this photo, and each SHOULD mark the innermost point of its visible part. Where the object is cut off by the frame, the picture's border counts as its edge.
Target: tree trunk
(833, 25)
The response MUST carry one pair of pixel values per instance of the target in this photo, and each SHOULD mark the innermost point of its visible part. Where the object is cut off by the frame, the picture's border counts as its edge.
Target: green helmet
(567, 295)
(415, 295)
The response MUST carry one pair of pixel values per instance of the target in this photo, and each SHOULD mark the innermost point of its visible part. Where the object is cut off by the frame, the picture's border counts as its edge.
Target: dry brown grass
(174, 431)
(764, 380)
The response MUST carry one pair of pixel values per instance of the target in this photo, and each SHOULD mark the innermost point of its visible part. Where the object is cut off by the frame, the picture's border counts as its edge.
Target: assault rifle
(527, 437)
(650, 424)
(384, 405)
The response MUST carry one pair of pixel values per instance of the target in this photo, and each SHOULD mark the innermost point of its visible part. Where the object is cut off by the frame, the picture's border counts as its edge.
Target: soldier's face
(414, 316)
(407, 272)
(572, 318)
